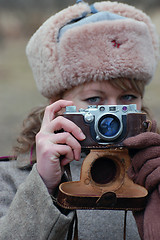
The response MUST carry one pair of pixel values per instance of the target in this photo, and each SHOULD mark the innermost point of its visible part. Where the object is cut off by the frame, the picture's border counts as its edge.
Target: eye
(93, 100)
(129, 97)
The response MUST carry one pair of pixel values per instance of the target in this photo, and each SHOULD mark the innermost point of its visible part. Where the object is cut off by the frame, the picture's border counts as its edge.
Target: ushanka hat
(99, 42)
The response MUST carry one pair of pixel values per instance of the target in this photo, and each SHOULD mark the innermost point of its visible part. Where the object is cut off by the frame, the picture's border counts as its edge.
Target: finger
(66, 152)
(67, 125)
(143, 156)
(65, 161)
(153, 179)
(47, 148)
(62, 150)
(51, 110)
(67, 139)
(148, 170)
(143, 140)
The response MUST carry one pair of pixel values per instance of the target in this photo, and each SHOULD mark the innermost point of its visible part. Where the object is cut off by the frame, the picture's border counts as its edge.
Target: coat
(28, 212)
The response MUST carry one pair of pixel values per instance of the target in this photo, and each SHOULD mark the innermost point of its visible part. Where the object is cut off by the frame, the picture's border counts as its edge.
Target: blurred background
(19, 19)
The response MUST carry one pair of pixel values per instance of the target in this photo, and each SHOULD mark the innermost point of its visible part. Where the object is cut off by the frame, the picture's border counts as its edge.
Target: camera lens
(103, 170)
(109, 126)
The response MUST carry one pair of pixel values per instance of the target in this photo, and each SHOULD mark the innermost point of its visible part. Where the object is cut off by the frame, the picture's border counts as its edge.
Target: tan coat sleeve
(32, 214)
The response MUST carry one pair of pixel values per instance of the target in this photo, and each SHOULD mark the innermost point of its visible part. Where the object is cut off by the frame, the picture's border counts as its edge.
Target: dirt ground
(18, 92)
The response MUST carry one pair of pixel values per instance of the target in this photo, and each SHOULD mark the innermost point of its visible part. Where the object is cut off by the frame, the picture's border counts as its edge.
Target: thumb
(143, 140)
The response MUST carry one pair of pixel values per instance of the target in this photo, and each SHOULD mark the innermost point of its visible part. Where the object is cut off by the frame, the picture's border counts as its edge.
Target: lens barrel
(109, 127)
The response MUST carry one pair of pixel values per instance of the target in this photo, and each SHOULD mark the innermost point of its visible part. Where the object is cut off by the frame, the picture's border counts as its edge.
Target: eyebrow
(91, 90)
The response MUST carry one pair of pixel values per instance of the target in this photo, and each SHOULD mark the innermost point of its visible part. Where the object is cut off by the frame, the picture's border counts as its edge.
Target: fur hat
(99, 42)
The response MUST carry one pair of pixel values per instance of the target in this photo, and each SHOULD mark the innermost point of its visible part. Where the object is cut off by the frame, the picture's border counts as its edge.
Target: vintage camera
(104, 182)
(107, 125)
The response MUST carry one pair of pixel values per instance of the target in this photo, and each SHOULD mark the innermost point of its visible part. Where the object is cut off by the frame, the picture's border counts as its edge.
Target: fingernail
(82, 135)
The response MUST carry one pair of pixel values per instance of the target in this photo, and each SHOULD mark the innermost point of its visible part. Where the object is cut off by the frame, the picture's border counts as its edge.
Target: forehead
(119, 83)
(99, 86)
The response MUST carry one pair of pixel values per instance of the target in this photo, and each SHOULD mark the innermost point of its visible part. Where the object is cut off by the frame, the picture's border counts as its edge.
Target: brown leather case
(117, 191)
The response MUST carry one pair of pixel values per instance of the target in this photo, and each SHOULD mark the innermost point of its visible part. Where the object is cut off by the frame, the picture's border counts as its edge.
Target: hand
(145, 162)
(145, 170)
(55, 150)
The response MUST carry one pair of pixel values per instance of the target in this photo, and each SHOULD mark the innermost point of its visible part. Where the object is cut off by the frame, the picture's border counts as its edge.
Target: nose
(112, 101)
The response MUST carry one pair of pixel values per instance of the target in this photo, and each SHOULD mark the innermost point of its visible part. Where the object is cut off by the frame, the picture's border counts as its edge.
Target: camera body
(107, 125)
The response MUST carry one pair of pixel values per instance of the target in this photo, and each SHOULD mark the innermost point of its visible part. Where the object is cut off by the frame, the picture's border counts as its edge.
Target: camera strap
(73, 228)
(125, 225)
(68, 172)
(109, 200)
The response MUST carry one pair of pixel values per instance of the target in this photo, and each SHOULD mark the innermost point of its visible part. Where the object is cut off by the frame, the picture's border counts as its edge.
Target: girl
(84, 55)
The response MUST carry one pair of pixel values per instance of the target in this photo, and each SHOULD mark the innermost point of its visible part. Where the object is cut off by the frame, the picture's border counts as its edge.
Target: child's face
(101, 93)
